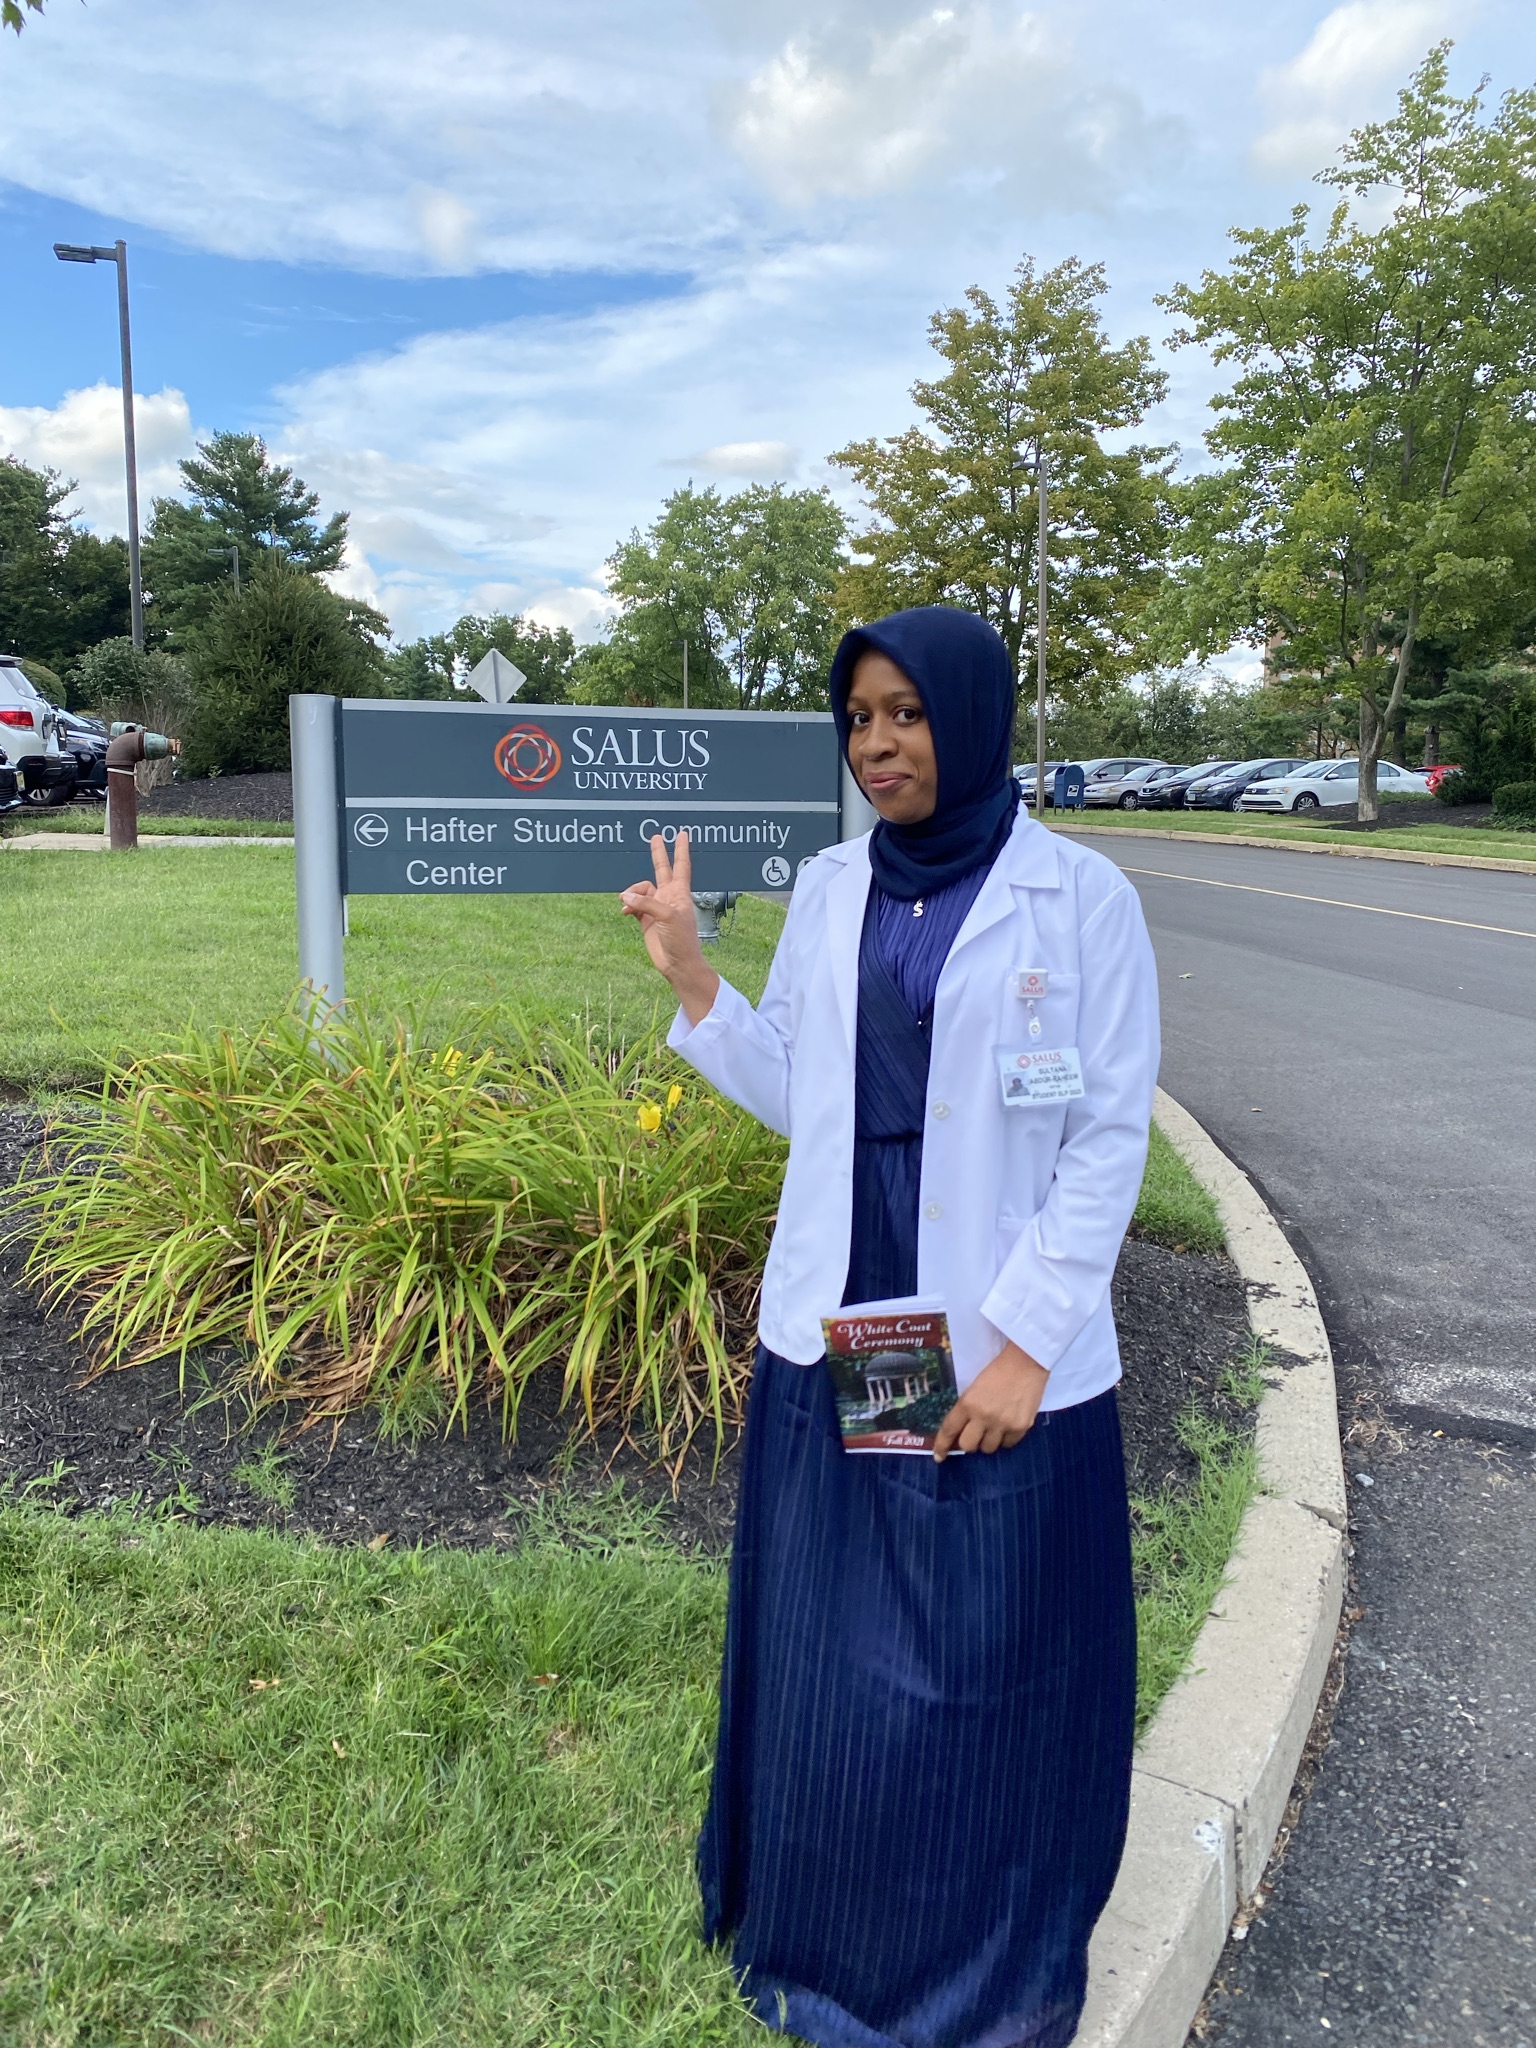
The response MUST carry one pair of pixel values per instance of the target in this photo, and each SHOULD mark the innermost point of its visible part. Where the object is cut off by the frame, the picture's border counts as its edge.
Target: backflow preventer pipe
(129, 745)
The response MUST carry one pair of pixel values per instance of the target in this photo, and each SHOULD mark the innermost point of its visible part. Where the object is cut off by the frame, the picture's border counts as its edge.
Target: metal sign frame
(425, 782)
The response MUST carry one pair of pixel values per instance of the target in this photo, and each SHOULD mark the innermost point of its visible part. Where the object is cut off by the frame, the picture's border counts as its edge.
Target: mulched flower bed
(264, 799)
(133, 1437)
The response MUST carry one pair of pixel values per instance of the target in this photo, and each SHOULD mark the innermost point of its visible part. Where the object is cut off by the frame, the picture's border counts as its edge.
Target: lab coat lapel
(1028, 861)
(847, 894)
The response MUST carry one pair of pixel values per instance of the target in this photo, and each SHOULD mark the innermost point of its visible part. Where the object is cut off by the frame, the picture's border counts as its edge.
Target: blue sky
(497, 277)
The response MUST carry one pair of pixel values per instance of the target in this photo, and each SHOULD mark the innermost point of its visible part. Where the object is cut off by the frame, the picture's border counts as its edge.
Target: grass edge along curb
(1496, 863)
(1214, 1770)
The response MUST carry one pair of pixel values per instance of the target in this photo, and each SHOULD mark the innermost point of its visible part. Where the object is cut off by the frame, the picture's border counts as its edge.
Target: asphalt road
(1361, 1037)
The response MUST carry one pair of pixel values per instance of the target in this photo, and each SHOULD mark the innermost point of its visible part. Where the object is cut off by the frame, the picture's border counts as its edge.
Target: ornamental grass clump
(388, 1223)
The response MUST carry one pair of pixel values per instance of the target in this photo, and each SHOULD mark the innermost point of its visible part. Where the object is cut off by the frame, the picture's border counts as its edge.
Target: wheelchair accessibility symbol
(775, 872)
(370, 829)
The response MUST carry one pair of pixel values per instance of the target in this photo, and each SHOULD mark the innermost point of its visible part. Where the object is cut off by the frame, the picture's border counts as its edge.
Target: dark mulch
(131, 1438)
(1404, 812)
(265, 798)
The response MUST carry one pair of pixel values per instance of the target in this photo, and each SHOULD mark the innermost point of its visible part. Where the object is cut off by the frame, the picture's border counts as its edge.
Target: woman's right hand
(664, 910)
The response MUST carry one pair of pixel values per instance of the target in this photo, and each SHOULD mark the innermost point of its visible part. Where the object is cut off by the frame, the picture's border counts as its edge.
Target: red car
(1438, 773)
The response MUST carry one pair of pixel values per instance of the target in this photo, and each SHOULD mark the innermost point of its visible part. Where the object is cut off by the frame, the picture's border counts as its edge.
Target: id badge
(1029, 1076)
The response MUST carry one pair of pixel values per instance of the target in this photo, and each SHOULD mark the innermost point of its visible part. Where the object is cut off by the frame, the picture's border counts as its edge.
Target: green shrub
(282, 631)
(389, 1227)
(1458, 788)
(1514, 803)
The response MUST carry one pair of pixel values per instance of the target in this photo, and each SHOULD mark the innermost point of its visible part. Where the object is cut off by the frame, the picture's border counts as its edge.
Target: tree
(746, 580)
(282, 632)
(432, 667)
(1490, 717)
(955, 500)
(1380, 441)
(240, 499)
(61, 589)
(11, 15)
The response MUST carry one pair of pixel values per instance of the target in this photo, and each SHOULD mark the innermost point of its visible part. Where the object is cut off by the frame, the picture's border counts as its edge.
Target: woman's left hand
(998, 1408)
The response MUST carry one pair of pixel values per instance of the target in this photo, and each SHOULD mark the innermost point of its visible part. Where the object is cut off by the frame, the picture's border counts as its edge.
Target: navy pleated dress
(923, 1769)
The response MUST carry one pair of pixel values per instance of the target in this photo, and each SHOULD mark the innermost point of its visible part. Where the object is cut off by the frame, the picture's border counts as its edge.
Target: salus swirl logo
(528, 757)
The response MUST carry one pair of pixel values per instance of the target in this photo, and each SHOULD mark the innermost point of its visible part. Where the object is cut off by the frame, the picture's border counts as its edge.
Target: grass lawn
(259, 1791)
(262, 1792)
(1464, 839)
(101, 955)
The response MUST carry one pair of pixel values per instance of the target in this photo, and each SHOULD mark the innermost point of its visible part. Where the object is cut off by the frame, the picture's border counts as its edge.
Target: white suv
(29, 739)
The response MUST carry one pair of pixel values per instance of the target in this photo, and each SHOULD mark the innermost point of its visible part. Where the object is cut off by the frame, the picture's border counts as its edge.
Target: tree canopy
(1379, 444)
(431, 667)
(747, 580)
(239, 499)
(282, 632)
(61, 589)
(955, 499)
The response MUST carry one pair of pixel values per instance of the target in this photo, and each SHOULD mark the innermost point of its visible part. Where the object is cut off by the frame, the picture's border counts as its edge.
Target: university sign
(424, 799)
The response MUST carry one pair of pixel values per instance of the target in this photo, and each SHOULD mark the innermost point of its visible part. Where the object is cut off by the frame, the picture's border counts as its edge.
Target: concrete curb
(1214, 1771)
(1421, 860)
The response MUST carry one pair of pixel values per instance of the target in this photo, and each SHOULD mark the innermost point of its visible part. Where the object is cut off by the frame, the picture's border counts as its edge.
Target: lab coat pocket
(1055, 1012)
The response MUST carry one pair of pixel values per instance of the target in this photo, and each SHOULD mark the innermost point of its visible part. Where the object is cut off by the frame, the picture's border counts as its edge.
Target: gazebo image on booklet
(893, 1374)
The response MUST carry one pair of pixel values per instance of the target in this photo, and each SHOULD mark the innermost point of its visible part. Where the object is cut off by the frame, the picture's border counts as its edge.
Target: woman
(923, 1770)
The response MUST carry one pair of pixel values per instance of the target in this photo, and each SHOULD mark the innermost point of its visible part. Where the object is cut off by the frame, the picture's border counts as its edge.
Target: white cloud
(82, 438)
(447, 228)
(1356, 54)
(377, 132)
(755, 461)
(511, 459)
(973, 91)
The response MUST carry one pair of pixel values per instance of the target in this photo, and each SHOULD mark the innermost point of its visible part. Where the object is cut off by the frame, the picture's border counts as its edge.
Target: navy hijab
(960, 668)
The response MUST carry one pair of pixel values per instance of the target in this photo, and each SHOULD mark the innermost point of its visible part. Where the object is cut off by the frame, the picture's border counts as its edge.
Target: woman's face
(890, 742)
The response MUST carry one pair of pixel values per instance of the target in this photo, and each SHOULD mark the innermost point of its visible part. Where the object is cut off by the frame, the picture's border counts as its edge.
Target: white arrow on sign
(495, 678)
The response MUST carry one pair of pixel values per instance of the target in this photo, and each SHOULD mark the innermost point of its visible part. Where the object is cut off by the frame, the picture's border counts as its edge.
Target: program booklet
(893, 1373)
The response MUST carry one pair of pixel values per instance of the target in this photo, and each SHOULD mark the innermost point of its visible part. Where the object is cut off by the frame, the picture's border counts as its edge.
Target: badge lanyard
(1032, 984)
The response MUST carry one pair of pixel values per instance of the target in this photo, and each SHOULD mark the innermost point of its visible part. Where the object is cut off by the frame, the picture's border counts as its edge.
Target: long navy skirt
(924, 1757)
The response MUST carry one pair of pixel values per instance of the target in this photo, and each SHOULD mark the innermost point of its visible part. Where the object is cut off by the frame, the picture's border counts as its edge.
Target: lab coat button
(933, 1212)
(941, 1109)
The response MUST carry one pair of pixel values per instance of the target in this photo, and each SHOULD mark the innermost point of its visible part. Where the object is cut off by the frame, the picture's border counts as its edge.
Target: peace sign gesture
(664, 909)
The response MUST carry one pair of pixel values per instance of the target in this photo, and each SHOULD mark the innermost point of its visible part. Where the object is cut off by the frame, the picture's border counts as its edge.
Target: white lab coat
(1022, 1211)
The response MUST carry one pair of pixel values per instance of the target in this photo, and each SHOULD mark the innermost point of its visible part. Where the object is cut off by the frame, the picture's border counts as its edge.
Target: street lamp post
(75, 252)
(232, 556)
(1040, 652)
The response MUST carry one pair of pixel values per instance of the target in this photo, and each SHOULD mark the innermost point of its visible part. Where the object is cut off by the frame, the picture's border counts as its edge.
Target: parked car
(1120, 792)
(86, 740)
(1436, 775)
(29, 732)
(1111, 767)
(1220, 788)
(1328, 782)
(1170, 792)
(1024, 776)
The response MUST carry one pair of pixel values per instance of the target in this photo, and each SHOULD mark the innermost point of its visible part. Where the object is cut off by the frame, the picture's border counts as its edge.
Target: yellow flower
(674, 1095)
(648, 1116)
(450, 1059)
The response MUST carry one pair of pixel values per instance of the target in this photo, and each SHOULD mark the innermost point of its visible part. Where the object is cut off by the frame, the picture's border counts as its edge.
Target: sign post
(443, 799)
(314, 725)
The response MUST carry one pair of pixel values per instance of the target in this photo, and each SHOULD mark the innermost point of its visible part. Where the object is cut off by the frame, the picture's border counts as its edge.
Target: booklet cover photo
(893, 1374)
